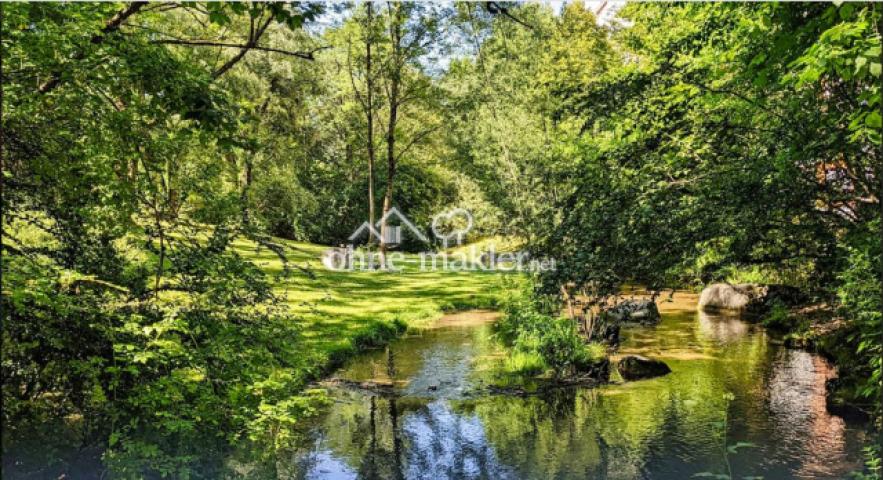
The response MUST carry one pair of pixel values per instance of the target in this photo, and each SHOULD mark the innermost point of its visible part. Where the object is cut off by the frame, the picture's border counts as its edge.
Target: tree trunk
(395, 34)
(390, 176)
(246, 186)
(369, 114)
(248, 167)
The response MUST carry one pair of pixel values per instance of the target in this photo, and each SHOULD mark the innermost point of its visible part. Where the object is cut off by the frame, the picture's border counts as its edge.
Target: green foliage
(873, 465)
(540, 341)
(563, 349)
(860, 299)
(704, 142)
(849, 52)
(521, 362)
(121, 313)
(723, 142)
(378, 334)
(778, 318)
(283, 205)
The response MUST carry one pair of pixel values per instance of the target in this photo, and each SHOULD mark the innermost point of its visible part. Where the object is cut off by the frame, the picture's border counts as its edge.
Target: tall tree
(366, 98)
(412, 32)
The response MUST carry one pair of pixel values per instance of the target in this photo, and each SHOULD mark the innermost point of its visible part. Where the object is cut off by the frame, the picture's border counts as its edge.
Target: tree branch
(253, 37)
(494, 8)
(415, 139)
(308, 55)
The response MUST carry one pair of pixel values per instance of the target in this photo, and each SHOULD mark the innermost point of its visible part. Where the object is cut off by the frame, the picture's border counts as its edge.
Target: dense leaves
(688, 143)
(729, 142)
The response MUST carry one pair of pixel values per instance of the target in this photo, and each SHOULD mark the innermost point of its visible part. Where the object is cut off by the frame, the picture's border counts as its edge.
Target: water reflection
(449, 445)
(437, 363)
(440, 424)
(722, 328)
(400, 439)
(796, 395)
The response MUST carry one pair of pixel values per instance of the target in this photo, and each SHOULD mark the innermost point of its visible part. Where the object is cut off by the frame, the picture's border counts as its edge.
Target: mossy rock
(636, 367)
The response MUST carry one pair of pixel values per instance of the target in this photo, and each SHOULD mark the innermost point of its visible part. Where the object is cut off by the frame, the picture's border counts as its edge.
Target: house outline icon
(394, 231)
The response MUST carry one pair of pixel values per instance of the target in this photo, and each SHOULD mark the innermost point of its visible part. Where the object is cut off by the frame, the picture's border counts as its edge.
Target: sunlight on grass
(336, 306)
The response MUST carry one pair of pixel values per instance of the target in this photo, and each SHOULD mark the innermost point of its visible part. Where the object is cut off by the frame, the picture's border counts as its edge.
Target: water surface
(434, 417)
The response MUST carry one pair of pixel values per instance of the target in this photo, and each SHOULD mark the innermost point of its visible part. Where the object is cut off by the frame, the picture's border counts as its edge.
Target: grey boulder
(748, 297)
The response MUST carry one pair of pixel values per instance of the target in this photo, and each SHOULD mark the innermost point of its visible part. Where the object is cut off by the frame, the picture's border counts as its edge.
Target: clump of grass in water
(524, 363)
(373, 335)
(540, 341)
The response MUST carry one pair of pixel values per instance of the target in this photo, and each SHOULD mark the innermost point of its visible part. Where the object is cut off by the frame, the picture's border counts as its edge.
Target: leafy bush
(873, 465)
(541, 341)
(778, 318)
(860, 302)
(563, 349)
(157, 368)
(282, 205)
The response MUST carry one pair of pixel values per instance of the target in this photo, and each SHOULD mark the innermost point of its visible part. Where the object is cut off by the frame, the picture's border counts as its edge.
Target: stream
(435, 417)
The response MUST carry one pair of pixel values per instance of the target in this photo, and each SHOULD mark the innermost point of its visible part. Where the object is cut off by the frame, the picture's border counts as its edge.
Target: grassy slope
(337, 307)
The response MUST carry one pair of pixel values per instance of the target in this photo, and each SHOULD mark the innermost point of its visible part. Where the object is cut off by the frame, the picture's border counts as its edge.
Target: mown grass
(342, 312)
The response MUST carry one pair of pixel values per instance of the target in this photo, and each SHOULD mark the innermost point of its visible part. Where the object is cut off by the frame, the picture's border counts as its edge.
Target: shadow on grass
(345, 312)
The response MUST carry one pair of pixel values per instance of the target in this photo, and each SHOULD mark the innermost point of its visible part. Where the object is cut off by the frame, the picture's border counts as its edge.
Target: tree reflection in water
(665, 428)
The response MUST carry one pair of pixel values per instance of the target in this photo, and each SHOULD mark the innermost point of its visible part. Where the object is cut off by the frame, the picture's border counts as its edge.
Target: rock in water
(643, 312)
(635, 367)
(724, 296)
(748, 298)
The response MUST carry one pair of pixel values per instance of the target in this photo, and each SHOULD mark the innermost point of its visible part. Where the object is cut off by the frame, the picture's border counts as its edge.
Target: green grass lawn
(337, 307)
(339, 310)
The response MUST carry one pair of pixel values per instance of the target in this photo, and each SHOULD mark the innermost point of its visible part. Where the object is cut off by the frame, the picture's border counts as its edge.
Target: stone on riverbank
(748, 297)
(636, 367)
(724, 296)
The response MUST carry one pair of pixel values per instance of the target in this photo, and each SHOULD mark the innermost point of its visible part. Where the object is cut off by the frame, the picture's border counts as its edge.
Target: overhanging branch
(308, 55)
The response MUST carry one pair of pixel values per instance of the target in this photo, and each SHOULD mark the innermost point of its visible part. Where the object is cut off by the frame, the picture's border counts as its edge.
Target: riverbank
(813, 327)
(818, 328)
(321, 319)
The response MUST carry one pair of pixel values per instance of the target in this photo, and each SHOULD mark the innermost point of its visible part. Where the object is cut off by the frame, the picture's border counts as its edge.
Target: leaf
(218, 17)
(860, 62)
(875, 69)
(873, 120)
(735, 447)
(758, 59)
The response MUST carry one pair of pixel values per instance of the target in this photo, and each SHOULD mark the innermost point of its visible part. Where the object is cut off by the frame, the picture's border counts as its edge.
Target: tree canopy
(682, 144)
